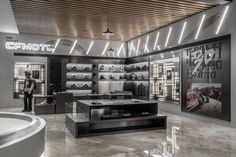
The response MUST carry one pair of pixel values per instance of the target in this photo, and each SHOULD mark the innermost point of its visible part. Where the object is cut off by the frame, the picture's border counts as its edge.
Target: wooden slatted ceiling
(88, 18)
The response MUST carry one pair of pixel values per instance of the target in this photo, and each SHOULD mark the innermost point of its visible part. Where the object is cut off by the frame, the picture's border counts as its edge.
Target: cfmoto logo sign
(28, 47)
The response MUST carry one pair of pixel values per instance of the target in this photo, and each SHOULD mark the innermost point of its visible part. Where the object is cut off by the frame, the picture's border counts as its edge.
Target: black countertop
(115, 102)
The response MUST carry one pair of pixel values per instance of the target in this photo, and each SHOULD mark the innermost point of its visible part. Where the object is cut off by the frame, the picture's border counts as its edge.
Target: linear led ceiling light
(124, 51)
(58, 40)
(121, 46)
(131, 48)
(90, 46)
(222, 19)
(168, 36)
(105, 48)
(200, 26)
(71, 50)
(182, 32)
(146, 45)
(137, 46)
(155, 44)
(158, 47)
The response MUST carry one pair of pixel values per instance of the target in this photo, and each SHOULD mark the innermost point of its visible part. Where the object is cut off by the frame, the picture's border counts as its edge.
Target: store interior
(117, 78)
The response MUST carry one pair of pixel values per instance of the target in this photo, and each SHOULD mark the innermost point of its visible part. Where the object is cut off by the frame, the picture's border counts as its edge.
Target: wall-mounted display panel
(165, 77)
(206, 79)
(37, 73)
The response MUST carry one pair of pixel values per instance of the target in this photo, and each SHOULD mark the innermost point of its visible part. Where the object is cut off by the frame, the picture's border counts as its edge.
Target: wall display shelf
(93, 117)
(138, 79)
(37, 73)
(111, 78)
(81, 78)
(165, 80)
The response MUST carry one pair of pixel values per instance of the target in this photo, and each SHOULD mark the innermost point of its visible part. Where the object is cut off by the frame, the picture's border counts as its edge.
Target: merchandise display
(138, 80)
(111, 78)
(105, 116)
(165, 80)
(81, 77)
(37, 71)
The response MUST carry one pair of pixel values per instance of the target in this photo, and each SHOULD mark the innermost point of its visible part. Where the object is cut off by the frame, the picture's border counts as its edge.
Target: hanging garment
(141, 90)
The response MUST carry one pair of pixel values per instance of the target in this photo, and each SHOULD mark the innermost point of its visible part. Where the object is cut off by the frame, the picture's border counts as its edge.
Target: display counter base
(80, 126)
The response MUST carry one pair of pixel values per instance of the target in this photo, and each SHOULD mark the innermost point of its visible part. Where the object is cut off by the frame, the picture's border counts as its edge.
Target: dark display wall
(54, 74)
(206, 79)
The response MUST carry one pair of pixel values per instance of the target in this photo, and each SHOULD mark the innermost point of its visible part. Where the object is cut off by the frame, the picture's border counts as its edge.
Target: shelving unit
(111, 78)
(37, 73)
(81, 78)
(138, 74)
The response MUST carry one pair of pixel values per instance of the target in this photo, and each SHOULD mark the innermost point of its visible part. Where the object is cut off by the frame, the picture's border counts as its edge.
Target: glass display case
(37, 73)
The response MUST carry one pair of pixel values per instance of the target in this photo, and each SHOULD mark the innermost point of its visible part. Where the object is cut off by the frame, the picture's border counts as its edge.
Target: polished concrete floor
(184, 137)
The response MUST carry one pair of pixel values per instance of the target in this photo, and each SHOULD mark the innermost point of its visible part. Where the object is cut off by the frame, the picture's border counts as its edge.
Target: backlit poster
(206, 79)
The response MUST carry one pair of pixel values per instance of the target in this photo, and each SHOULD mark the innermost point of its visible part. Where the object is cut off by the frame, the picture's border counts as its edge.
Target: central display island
(95, 117)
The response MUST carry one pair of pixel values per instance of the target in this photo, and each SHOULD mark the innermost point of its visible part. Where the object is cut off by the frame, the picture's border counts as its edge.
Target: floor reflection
(168, 148)
(184, 137)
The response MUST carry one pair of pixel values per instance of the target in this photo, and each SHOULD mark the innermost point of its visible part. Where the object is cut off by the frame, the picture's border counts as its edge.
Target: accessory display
(102, 68)
(102, 77)
(73, 86)
(112, 77)
(74, 68)
(87, 68)
(86, 85)
(85, 76)
(112, 68)
(94, 66)
(122, 68)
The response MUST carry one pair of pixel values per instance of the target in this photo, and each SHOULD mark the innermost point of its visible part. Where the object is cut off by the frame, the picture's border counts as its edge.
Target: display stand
(95, 117)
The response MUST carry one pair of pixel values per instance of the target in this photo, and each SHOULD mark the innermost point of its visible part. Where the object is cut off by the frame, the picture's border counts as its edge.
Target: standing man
(28, 92)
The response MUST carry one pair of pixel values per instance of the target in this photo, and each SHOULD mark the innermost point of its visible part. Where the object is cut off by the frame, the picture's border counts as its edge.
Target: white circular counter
(21, 135)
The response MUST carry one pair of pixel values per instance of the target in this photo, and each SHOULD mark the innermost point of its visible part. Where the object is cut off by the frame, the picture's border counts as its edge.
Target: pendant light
(51, 43)
(111, 50)
(108, 32)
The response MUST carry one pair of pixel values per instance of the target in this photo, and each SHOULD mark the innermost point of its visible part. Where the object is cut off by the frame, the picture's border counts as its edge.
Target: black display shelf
(79, 88)
(80, 80)
(139, 80)
(131, 71)
(112, 71)
(112, 80)
(81, 71)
